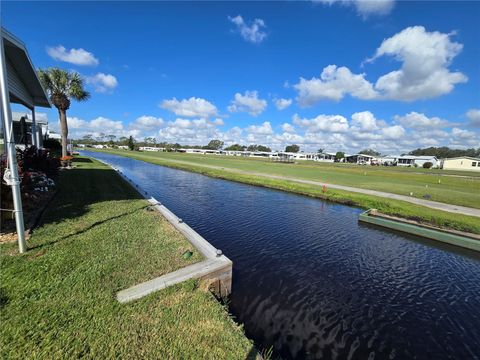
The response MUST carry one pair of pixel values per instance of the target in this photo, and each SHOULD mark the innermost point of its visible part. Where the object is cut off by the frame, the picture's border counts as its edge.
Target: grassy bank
(461, 189)
(388, 206)
(96, 238)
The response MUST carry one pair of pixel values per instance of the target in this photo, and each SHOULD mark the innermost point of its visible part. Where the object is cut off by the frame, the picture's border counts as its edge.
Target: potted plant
(66, 161)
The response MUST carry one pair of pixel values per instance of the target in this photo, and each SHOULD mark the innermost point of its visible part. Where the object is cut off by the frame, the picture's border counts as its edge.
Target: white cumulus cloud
(333, 84)
(72, 56)
(365, 121)
(425, 58)
(193, 107)
(323, 123)
(365, 8)
(417, 120)
(473, 115)
(424, 73)
(102, 82)
(263, 129)
(288, 128)
(282, 104)
(147, 123)
(253, 31)
(249, 103)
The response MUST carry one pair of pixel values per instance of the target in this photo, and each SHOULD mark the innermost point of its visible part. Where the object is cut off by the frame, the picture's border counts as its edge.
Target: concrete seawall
(215, 271)
(465, 240)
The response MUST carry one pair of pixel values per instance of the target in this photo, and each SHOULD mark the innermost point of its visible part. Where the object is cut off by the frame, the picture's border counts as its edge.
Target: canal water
(312, 282)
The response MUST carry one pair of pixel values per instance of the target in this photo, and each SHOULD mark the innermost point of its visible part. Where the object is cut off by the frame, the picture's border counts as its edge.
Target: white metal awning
(23, 83)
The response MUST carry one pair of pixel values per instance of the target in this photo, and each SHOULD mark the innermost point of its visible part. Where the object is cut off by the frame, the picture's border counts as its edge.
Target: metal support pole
(13, 180)
(34, 129)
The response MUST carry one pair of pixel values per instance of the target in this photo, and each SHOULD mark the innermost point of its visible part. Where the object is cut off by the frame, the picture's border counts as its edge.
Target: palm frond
(77, 90)
(59, 82)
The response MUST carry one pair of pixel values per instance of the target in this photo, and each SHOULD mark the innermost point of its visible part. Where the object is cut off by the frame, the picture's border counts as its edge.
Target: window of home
(474, 163)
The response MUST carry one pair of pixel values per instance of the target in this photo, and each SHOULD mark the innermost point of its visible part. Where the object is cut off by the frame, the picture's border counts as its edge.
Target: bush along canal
(312, 282)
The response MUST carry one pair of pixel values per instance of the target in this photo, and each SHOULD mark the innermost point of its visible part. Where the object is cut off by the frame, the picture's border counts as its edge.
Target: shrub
(32, 160)
(427, 165)
(52, 144)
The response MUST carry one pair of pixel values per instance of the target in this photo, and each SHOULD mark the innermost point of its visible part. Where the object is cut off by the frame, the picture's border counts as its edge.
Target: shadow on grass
(82, 160)
(91, 226)
(82, 187)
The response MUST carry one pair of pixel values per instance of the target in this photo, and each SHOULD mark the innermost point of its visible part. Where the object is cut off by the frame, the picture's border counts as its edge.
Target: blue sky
(339, 75)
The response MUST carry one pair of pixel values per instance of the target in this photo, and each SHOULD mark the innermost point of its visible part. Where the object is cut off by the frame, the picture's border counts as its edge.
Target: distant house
(149, 148)
(123, 147)
(53, 135)
(411, 160)
(23, 131)
(361, 159)
(388, 160)
(466, 163)
(325, 157)
(200, 151)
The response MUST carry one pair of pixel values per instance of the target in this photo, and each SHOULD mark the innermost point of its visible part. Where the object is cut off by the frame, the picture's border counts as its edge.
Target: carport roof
(17, 54)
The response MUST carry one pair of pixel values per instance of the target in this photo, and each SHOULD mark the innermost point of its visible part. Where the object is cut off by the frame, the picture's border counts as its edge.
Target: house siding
(16, 86)
(461, 164)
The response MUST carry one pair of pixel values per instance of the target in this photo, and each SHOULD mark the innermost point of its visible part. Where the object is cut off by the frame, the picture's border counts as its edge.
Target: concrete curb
(371, 216)
(216, 269)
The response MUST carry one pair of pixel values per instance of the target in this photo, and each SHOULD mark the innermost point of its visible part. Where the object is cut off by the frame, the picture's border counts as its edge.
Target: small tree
(131, 143)
(320, 151)
(214, 145)
(87, 139)
(292, 148)
(263, 148)
(111, 139)
(150, 141)
(427, 165)
(339, 155)
(236, 147)
(370, 152)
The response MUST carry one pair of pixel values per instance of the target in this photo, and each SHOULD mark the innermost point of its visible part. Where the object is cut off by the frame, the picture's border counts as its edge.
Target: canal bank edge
(468, 241)
(442, 219)
(215, 270)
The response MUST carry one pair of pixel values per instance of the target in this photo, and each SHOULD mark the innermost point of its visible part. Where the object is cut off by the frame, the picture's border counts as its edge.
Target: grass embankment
(388, 206)
(96, 238)
(461, 189)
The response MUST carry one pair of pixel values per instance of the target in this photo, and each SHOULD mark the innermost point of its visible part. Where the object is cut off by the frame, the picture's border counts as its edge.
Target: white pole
(13, 180)
(34, 128)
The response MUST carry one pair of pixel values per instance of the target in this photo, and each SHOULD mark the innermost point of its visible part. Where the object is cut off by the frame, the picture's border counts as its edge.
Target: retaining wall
(468, 241)
(215, 270)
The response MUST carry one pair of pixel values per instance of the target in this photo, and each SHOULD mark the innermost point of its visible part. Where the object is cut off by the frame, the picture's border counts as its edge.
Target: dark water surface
(314, 283)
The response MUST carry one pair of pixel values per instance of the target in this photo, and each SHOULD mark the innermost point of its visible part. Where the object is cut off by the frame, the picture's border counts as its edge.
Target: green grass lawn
(96, 238)
(388, 206)
(459, 190)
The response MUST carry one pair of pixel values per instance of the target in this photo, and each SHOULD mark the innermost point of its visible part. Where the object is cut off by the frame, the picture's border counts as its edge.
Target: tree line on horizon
(215, 144)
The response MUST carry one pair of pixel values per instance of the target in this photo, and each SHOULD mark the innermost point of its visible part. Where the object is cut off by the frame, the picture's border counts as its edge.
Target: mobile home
(466, 163)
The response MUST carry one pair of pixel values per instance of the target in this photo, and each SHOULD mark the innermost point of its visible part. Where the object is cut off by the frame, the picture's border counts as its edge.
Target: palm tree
(61, 86)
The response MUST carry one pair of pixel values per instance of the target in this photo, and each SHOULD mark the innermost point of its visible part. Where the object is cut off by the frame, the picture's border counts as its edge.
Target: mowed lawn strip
(463, 188)
(96, 238)
(399, 208)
